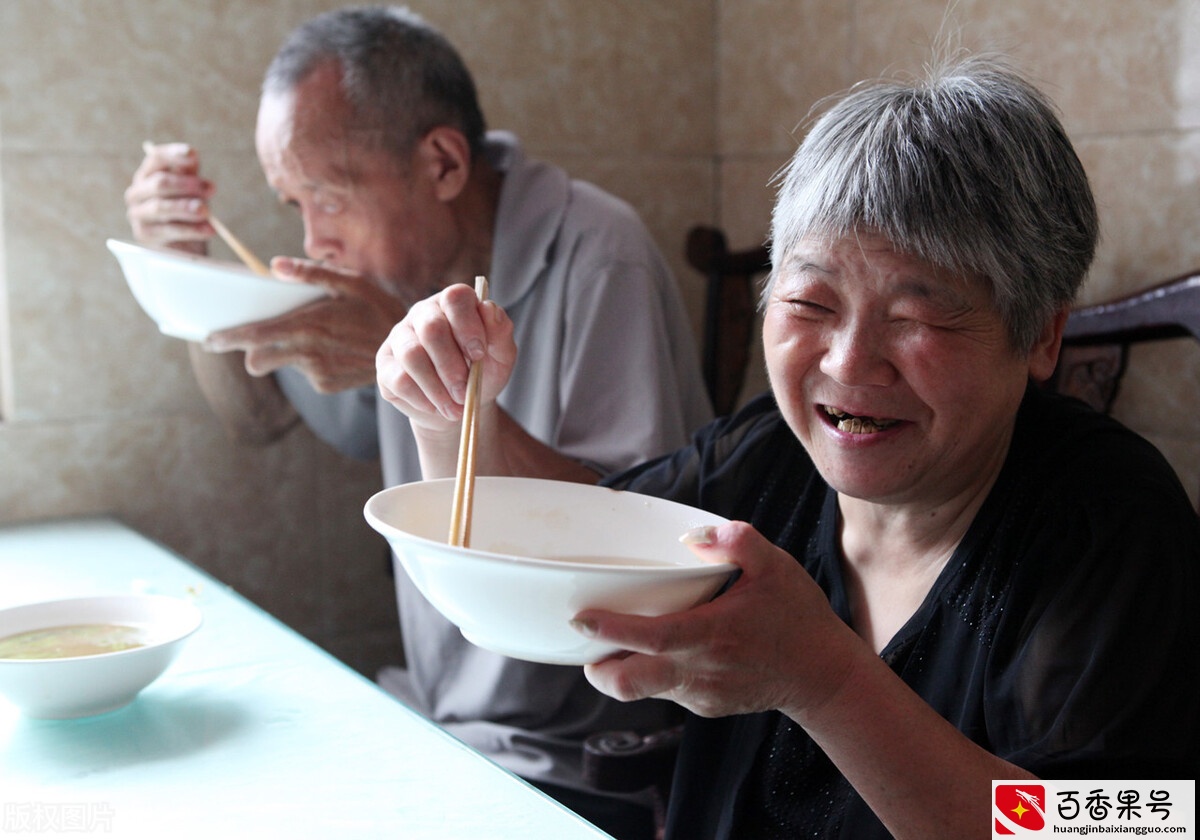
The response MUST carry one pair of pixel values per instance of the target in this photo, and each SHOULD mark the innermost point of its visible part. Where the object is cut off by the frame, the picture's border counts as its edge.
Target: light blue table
(252, 732)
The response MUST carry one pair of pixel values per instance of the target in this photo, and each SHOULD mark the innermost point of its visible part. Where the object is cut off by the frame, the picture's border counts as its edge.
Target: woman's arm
(772, 641)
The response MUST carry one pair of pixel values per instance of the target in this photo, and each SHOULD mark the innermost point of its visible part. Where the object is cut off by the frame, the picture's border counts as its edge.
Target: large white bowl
(89, 685)
(191, 296)
(541, 551)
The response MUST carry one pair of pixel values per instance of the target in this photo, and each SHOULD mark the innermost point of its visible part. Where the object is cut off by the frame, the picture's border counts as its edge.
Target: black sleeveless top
(1060, 636)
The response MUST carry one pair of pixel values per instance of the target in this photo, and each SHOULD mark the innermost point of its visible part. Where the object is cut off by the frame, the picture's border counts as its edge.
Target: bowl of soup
(190, 296)
(539, 553)
(85, 656)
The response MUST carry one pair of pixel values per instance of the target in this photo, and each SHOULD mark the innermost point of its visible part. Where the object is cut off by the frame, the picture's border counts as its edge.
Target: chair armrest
(623, 762)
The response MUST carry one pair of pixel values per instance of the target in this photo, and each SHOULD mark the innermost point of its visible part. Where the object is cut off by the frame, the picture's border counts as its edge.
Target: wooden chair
(729, 311)
(1097, 338)
(626, 762)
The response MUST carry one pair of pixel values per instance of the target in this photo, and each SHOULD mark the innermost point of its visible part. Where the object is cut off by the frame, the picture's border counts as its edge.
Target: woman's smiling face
(897, 376)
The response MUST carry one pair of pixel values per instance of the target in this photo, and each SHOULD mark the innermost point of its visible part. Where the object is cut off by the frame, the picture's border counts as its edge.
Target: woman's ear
(1043, 358)
(446, 156)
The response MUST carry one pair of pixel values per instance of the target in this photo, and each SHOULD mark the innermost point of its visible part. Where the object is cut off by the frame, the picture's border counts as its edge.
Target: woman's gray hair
(400, 75)
(969, 169)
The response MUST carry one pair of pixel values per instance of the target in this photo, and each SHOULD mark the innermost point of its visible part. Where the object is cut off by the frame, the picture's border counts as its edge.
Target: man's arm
(167, 207)
(252, 409)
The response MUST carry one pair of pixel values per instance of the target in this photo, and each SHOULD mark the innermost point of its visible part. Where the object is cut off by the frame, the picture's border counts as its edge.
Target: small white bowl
(542, 551)
(79, 686)
(190, 296)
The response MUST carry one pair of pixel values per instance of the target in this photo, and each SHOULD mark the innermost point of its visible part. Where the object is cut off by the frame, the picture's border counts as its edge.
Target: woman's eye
(918, 317)
(811, 307)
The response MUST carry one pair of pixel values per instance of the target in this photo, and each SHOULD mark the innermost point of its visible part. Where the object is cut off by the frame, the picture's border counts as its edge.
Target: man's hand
(167, 202)
(333, 341)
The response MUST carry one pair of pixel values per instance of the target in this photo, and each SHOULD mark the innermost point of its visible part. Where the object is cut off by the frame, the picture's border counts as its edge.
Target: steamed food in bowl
(541, 552)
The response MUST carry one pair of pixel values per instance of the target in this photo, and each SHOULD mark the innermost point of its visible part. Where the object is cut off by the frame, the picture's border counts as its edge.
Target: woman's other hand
(771, 641)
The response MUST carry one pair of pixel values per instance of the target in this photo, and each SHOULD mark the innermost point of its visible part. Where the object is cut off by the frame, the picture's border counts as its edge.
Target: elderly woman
(947, 576)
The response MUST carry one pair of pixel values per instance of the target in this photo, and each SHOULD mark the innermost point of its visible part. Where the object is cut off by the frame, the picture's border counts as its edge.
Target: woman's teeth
(855, 425)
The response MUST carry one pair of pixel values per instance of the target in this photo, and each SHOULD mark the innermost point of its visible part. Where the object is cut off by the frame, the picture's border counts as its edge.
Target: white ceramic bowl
(190, 296)
(541, 551)
(89, 685)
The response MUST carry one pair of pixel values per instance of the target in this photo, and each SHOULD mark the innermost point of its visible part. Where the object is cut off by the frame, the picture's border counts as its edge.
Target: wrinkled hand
(423, 365)
(332, 341)
(771, 641)
(167, 201)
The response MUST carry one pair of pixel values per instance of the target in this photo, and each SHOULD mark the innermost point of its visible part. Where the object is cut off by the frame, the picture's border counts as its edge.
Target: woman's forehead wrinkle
(911, 277)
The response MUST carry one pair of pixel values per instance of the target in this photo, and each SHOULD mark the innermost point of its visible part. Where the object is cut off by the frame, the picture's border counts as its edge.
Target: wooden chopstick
(245, 254)
(464, 477)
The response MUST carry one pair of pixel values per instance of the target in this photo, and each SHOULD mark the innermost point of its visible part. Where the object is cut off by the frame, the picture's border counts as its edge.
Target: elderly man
(369, 126)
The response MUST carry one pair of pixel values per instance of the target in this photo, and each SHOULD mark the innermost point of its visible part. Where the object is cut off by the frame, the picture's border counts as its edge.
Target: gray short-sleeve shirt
(608, 374)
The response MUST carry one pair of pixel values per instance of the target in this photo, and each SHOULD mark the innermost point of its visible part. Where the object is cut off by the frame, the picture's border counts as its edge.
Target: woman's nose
(855, 355)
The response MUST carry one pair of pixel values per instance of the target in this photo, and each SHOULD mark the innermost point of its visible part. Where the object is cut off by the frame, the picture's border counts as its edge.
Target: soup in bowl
(542, 551)
(84, 656)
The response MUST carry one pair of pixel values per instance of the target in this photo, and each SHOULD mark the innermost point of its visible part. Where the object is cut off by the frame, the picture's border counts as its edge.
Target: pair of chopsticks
(464, 477)
(244, 254)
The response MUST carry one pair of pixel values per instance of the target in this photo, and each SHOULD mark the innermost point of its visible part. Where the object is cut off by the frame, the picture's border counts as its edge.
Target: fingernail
(475, 350)
(283, 265)
(700, 535)
(584, 627)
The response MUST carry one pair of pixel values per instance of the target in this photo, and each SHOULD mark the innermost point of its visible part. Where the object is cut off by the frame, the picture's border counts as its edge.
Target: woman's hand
(771, 641)
(422, 369)
(422, 366)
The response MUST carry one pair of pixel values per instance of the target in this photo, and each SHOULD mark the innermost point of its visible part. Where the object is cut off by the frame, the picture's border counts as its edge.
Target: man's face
(362, 208)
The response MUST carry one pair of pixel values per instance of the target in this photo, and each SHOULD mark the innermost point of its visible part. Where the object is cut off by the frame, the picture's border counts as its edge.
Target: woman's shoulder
(1081, 503)
(1066, 455)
